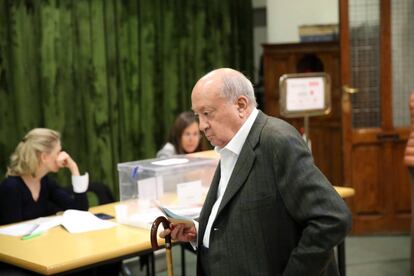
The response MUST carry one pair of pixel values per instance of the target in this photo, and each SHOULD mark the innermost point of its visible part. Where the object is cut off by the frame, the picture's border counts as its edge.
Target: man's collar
(236, 143)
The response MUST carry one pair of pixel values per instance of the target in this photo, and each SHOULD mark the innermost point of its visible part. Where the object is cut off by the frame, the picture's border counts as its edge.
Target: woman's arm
(65, 199)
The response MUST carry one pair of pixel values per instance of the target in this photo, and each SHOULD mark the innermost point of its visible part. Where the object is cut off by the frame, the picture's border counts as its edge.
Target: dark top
(17, 204)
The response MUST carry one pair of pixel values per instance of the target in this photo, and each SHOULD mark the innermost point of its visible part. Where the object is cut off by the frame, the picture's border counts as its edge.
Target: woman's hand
(65, 161)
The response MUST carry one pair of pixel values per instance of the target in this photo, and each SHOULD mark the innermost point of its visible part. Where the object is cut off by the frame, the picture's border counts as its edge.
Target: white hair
(235, 84)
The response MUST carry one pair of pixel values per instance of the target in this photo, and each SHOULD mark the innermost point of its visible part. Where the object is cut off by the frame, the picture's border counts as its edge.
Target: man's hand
(409, 149)
(411, 104)
(180, 232)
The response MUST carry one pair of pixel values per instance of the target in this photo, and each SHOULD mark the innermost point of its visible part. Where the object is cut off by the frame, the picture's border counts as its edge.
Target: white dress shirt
(228, 158)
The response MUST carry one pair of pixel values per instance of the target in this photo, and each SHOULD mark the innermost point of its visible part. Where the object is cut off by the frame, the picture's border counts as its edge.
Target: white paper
(305, 94)
(170, 161)
(47, 223)
(177, 216)
(150, 188)
(189, 193)
(35, 226)
(191, 212)
(19, 229)
(76, 221)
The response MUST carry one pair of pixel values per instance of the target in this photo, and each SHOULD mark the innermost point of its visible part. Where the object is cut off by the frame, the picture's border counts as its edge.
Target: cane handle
(154, 229)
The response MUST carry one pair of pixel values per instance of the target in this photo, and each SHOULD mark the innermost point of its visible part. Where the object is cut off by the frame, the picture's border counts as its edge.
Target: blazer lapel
(244, 162)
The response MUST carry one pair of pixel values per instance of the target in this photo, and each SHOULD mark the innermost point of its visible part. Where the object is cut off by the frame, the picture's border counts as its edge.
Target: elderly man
(269, 210)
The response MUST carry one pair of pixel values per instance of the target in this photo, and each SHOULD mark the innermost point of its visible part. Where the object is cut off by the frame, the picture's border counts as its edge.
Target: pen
(29, 236)
(33, 229)
(31, 233)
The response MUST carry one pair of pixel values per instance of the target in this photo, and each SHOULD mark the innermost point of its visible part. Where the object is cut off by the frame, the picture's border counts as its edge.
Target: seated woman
(184, 136)
(28, 192)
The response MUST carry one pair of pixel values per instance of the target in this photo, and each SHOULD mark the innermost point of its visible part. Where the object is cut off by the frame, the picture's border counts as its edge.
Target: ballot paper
(181, 215)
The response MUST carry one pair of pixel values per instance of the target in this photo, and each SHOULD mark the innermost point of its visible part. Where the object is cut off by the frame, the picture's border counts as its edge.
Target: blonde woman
(28, 192)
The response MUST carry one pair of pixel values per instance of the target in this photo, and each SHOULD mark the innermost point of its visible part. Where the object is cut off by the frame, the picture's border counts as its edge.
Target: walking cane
(168, 254)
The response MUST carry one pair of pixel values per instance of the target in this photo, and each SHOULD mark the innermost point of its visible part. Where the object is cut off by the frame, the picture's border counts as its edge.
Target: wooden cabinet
(325, 131)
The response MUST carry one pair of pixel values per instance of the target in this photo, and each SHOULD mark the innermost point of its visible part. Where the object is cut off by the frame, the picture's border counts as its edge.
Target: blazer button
(215, 229)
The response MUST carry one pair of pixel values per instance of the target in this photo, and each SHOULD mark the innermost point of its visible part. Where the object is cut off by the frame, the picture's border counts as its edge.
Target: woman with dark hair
(184, 136)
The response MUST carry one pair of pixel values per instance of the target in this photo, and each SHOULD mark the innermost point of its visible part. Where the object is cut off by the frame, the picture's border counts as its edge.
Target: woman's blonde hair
(25, 159)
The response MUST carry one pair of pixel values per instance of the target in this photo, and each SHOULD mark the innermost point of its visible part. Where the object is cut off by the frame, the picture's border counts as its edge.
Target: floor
(378, 255)
(368, 256)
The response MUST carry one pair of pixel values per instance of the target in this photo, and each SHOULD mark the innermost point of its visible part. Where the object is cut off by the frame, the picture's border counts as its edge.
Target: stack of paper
(81, 221)
(35, 226)
(73, 220)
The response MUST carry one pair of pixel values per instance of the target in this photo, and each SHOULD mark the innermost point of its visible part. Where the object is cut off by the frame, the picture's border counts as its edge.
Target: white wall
(284, 17)
(259, 3)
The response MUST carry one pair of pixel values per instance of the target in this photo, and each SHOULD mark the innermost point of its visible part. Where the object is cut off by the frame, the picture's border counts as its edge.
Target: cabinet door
(375, 115)
(325, 131)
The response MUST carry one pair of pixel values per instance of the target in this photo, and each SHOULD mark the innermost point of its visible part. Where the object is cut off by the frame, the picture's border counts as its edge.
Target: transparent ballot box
(180, 182)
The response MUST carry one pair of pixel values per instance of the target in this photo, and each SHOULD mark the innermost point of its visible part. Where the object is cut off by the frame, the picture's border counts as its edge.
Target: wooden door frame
(385, 77)
(345, 80)
(386, 136)
(386, 64)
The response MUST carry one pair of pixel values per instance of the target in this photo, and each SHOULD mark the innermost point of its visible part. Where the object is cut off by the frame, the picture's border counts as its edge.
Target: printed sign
(306, 94)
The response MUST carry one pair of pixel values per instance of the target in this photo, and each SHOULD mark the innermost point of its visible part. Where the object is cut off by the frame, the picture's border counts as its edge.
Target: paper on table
(76, 221)
(39, 225)
(19, 229)
(47, 223)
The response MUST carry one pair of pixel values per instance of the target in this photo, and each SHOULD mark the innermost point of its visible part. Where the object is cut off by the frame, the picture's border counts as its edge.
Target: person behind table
(269, 209)
(28, 192)
(184, 136)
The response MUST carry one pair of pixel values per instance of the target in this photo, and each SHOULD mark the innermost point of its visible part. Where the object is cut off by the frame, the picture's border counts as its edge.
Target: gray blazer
(279, 214)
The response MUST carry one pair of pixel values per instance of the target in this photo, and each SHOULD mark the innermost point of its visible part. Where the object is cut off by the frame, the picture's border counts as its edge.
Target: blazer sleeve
(312, 202)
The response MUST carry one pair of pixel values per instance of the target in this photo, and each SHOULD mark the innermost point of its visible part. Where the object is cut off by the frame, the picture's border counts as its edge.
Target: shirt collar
(236, 143)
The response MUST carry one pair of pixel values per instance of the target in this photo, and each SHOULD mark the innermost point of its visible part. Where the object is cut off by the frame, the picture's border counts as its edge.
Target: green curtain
(111, 75)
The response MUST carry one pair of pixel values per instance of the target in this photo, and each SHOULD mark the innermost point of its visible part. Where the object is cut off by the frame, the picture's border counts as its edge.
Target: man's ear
(242, 104)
